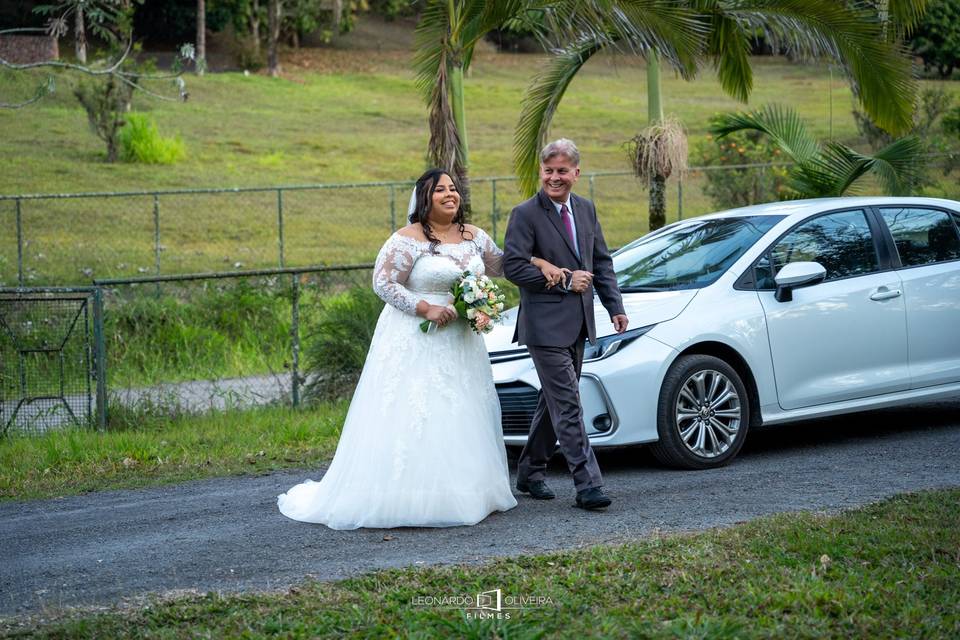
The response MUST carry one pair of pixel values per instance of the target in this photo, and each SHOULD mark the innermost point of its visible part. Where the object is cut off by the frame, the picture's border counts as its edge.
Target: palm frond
(431, 45)
(782, 124)
(898, 165)
(844, 166)
(906, 14)
(852, 35)
(539, 105)
(729, 48)
(637, 26)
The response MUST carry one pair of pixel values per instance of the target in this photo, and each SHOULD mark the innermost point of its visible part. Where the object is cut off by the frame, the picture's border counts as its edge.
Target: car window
(688, 255)
(841, 242)
(922, 236)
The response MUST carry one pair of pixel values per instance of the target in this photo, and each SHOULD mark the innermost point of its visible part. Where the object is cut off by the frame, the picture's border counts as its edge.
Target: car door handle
(886, 294)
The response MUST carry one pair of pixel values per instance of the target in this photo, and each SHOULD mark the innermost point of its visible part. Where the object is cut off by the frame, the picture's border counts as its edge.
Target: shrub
(336, 347)
(105, 101)
(740, 186)
(140, 141)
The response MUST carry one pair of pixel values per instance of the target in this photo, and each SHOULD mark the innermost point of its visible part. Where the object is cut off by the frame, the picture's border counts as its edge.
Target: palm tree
(444, 40)
(832, 169)
(853, 35)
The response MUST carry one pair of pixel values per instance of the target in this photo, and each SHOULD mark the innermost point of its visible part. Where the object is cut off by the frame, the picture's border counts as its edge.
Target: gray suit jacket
(553, 317)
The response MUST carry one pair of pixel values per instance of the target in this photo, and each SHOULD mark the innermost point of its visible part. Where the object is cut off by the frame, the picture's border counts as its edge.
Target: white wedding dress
(422, 443)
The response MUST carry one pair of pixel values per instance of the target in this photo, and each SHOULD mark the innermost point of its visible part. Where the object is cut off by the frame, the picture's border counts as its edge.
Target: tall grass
(206, 332)
(140, 141)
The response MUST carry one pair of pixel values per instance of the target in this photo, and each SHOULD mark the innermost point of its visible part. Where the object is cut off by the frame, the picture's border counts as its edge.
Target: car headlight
(609, 345)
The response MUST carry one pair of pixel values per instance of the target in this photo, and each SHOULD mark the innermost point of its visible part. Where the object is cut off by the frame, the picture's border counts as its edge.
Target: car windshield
(687, 255)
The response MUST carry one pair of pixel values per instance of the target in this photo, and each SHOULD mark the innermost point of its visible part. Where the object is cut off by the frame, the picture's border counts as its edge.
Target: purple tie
(568, 223)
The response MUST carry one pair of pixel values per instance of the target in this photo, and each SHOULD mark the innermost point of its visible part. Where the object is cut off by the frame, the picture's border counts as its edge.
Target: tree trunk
(274, 8)
(80, 37)
(255, 28)
(459, 116)
(201, 61)
(658, 202)
(658, 184)
(654, 105)
(460, 120)
(337, 17)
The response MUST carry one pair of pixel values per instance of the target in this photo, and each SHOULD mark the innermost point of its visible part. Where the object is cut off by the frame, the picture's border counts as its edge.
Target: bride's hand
(554, 275)
(440, 315)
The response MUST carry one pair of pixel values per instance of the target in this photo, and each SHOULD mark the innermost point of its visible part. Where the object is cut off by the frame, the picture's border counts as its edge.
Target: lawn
(356, 123)
(889, 570)
(140, 449)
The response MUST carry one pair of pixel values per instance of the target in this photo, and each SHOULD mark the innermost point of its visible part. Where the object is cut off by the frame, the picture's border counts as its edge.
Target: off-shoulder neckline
(441, 244)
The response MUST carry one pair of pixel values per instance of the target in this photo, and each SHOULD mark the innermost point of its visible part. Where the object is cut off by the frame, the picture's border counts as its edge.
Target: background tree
(721, 32)
(101, 15)
(445, 38)
(274, 17)
(201, 36)
(937, 37)
(832, 169)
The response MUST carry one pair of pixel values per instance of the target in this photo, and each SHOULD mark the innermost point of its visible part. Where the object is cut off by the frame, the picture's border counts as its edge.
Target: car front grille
(518, 401)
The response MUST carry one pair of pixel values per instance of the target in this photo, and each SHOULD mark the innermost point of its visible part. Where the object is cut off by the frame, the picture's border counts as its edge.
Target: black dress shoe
(537, 489)
(592, 498)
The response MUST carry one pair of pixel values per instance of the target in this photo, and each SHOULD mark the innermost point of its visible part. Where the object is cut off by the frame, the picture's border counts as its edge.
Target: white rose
(471, 313)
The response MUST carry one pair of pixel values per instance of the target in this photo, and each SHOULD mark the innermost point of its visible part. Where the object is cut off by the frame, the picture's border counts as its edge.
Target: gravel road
(226, 534)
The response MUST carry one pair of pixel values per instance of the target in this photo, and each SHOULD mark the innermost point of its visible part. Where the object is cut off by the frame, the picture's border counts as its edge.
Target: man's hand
(620, 322)
(580, 281)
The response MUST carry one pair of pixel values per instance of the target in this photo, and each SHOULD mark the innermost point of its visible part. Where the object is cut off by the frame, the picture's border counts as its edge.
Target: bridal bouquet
(474, 295)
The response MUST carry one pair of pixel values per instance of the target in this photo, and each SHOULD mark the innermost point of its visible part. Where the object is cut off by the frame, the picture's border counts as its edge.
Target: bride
(422, 443)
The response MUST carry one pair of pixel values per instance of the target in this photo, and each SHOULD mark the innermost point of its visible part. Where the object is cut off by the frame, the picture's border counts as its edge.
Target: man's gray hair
(561, 147)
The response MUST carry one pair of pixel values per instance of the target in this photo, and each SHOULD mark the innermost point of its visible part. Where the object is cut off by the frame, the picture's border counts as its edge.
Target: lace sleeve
(394, 263)
(491, 253)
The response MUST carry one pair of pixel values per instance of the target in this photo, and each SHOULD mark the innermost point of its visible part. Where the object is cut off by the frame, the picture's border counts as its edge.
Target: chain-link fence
(76, 238)
(173, 345)
(217, 299)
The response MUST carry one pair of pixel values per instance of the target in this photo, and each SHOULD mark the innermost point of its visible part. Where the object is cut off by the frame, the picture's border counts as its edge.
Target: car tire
(703, 414)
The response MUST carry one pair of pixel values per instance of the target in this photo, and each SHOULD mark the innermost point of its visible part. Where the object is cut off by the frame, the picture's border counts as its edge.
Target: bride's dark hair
(424, 203)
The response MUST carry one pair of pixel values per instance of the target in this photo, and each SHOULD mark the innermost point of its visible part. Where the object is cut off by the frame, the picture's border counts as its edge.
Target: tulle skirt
(422, 443)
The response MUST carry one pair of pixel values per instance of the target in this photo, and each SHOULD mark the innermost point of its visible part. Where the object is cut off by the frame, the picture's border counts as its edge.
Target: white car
(760, 316)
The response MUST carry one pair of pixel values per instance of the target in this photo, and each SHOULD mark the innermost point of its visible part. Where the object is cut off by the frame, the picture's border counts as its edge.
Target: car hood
(642, 308)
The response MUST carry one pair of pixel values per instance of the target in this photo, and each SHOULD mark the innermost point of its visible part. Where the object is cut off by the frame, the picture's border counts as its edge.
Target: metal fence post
(393, 208)
(280, 224)
(19, 245)
(295, 341)
(100, 355)
(493, 209)
(156, 232)
(680, 197)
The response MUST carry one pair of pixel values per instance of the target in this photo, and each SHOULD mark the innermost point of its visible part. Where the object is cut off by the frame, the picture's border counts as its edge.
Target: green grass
(352, 126)
(890, 570)
(157, 449)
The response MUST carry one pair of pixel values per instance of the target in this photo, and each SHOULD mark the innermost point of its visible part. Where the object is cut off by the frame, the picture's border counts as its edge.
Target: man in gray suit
(554, 321)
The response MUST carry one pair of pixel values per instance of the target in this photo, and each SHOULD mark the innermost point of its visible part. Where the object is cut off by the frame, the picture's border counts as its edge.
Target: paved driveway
(226, 534)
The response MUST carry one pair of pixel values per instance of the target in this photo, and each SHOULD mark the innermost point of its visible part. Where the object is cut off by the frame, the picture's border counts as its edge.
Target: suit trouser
(559, 417)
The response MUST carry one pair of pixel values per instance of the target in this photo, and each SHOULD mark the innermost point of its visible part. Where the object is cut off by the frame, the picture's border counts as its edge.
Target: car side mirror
(796, 275)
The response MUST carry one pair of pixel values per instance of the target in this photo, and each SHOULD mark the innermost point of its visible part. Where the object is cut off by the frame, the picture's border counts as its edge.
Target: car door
(846, 337)
(928, 247)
